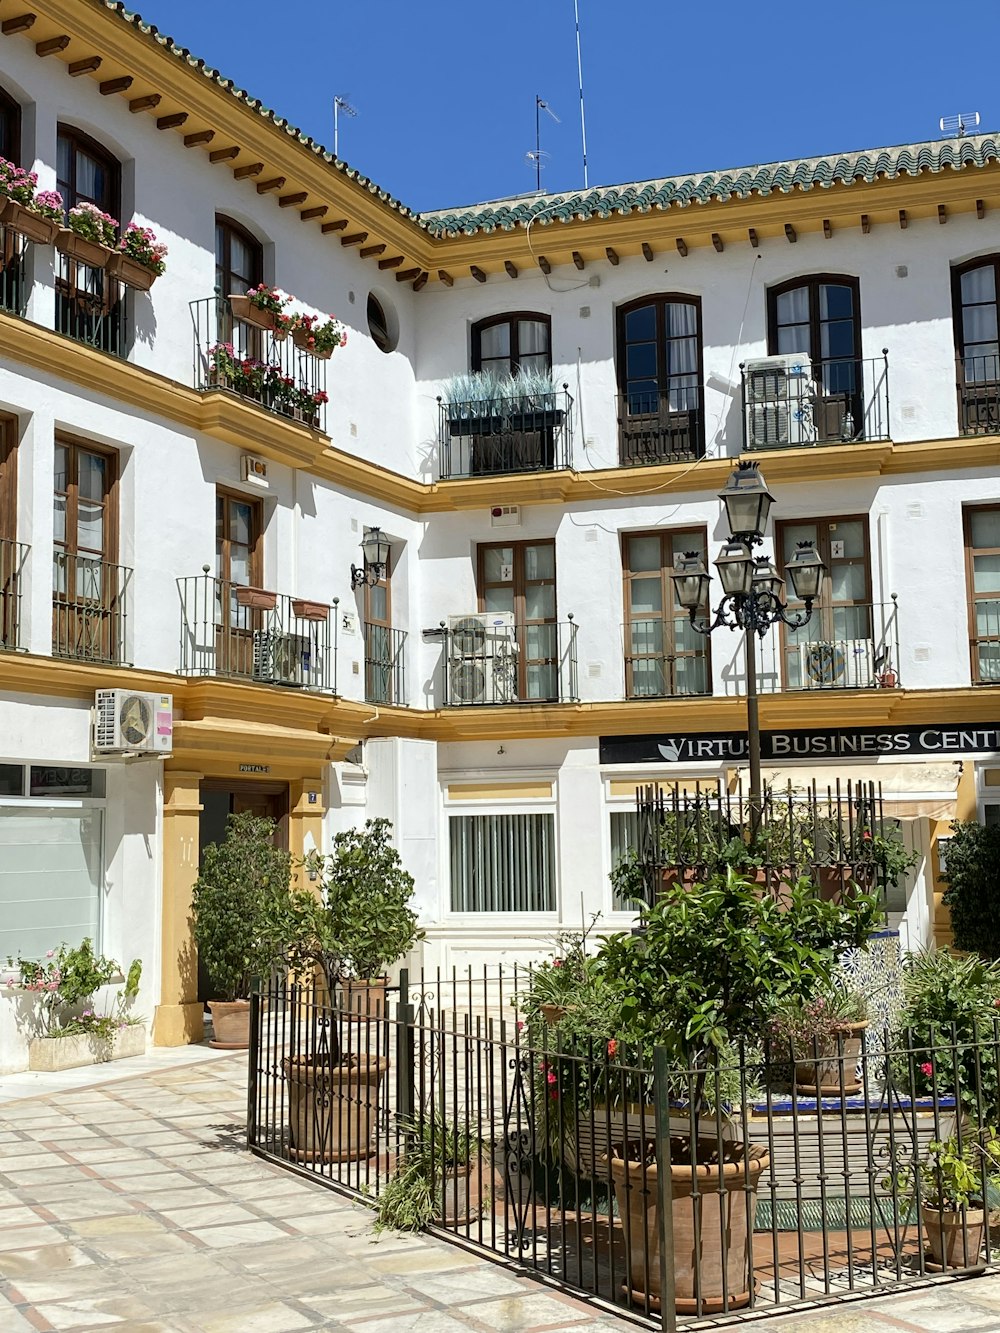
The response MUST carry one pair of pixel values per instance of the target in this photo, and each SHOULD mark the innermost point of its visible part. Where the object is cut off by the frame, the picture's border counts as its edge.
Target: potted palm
(232, 904)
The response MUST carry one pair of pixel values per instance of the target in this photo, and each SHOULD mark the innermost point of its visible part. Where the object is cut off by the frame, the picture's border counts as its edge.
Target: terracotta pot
(836, 884)
(258, 599)
(244, 309)
(689, 876)
(837, 1061)
(29, 224)
(458, 1198)
(301, 340)
(552, 1013)
(332, 1111)
(363, 999)
(91, 253)
(131, 273)
(309, 610)
(230, 1024)
(953, 1241)
(726, 1203)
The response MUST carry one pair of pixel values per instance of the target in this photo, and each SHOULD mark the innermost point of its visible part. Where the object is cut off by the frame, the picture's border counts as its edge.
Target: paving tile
(19, 1264)
(426, 1321)
(208, 1215)
(275, 1317)
(515, 1314)
(245, 1233)
(466, 1284)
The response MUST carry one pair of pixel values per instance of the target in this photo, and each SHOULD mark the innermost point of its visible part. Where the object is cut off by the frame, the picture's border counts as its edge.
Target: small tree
(973, 874)
(234, 902)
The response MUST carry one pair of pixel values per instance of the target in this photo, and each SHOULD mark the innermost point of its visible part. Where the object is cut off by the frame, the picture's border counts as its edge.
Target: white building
(124, 455)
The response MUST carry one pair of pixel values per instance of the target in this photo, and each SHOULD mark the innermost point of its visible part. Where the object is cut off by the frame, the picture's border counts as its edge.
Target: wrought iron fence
(979, 394)
(15, 265)
(251, 634)
(517, 433)
(523, 664)
(263, 365)
(385, 665)
(12, 559)
(842, 400)
(852, 647)
(91, 305)
(89, 608)
(795, 1175)
(665, 658)
(661, 426)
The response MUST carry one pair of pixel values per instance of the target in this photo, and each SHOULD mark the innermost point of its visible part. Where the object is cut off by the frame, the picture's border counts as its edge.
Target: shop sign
(255, 768)
(865, 743)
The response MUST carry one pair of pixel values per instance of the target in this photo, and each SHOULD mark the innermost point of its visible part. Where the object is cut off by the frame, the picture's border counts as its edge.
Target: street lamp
(375, 549)
(752, 592)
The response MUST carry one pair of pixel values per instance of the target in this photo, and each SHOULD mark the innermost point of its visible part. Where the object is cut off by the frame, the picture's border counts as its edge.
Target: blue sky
(446, 90)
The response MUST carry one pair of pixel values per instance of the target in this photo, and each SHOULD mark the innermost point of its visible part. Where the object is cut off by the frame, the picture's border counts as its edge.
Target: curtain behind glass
(502, 863)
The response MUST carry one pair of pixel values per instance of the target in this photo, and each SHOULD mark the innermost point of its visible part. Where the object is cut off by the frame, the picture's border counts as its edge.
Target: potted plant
(529, 401)
(265, 307)
(89, 236)
(232, 905)
(708, 968)
(318, 337)
(973, 871)
(472, 403)
(36, 215)
(140, 258)
(436, 1179)
(70, 1030)
(949, 1182)
(822, 1035)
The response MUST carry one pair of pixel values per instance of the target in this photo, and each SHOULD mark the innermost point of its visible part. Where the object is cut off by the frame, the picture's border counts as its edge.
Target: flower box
(243, 308)
(29, 224)
(256, 598)
(309, 610)
(300, 337)
(77, 247)
(130, 272)
(50, 1054)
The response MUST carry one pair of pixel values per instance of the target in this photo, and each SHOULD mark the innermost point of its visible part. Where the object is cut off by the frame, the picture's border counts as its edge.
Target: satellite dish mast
(537, 155)
(340, 104)
(956, 126)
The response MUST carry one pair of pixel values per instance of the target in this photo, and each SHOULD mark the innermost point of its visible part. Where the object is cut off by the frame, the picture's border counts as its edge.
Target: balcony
(657, 669)
(12, 558)
(979, 395)
(385, 665)
(90, 306)
(15, 255)
(527, 664)
(243, 633)
(89, 609)
(495, 436)
(985, 621)
(842, 401)
(258, 364)
(661, 426)
(840, 648)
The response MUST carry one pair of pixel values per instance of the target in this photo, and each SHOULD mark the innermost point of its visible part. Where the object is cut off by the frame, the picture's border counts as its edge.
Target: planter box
(50, 1054)
(91, 253)
(256, 598)
(309, 610)
(129, 272)
(244, 309)
(29, 224)
(301, 340)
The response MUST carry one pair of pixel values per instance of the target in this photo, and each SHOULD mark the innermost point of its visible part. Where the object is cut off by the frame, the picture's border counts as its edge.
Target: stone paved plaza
(130, 1203)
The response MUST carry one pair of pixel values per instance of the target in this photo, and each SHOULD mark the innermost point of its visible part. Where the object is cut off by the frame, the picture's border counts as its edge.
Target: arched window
(508, 343)
(90, 305)
(88, 173)
(239, 258)
(974, 287)
(10, 129)
(820, 317)
(659, 358)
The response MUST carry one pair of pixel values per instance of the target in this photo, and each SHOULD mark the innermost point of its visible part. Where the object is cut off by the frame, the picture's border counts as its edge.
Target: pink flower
(520, 1026)
(51, 953)
(927, 1069)
(612, 1048)
(554, 1093)
(557, 962)
(550, 1077)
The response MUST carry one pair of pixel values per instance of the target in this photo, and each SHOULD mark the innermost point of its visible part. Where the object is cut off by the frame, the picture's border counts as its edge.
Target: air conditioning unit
(483, 680)
(779, 394)
(847, 663)
(481, 633)
(281, 659)
(127, 722)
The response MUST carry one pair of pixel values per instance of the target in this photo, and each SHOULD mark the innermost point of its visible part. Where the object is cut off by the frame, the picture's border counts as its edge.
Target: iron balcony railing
(246, 633)
(661, 425)
(525, 664)
(89, 608)
(664, 658)
(985, 640)
(257, 363)
(838, 400)
(90, 305)
(12, 558)
(385, 665)
(516, 433)
(839, 648)
(15, 256)
(979, 394)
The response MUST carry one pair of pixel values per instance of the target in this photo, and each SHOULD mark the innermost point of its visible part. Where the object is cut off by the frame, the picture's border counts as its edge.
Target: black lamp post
(375, 549)
(752, 592)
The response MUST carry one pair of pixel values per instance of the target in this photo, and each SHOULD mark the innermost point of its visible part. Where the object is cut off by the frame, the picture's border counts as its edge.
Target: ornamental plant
(50, 204)
(141, 245)
(274, 301)
(88, 221)
(951, 1175)
(798, 1023)
(973, 871)
(70, 977)
(321, 337)
(17, 184)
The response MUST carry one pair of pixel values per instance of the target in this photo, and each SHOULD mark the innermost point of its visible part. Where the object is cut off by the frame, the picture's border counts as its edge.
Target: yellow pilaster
(305, 816)
(178, 1018)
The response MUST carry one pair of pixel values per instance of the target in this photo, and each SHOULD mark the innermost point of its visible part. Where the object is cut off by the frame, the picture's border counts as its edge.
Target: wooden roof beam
(476, 272)
(393, 261)
(790, 233)
(111, 86)
(682, 247)
(942, 214)
(511, 268)
(268, 187)
(320, 211)
(146, 103)
(754, 238)
(86, 66)
(578, 259)
(902, 219)
(445, 277)
(370, 251)
(171, 122)
(356, 238)
(224, 154)
(249, 169)
(20, 24)
(421, 281)
(339, 225)
(544, 264)
(980, 210)
(52, 45)
(293, 200)
(199, 137)
(866, 224)
(407, 274)
(717, 242)
(827, 229)
(647, 251)
(612, 255)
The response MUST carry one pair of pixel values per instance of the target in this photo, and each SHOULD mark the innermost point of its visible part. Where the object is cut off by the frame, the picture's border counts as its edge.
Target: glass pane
(979, 324)
(987, 618)
(847, 583)
(794, 533)
(686, 637)
(61, 479)
(495, 341)
(89, 579)
(643, 553)
(646, 637)
(690, 675)
(640, 361)
(682, 358)
(240, 521)
(836, 339)
(640, 325)
(682, 319)
(378, 603)
(540, 562)
(499, 599)
(986, 573)
(793, 307)
(532, 337)
(793, 340)
(542, 682)
(989, 669)
(836, 302)
(239, 565)
(646, 596)
(984, 525)
(538, 362)
(51, 879)
(11, 780)
(979, 284)
(89, 177)
(851, 623)
(64, 150)
(852, 535)
(89, 526)
(539, 601)
(92, 473)
(541, 641)
(59, 519)
(498, 564)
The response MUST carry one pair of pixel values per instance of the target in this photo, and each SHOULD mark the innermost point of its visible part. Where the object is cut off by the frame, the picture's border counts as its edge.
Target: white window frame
(542, 805)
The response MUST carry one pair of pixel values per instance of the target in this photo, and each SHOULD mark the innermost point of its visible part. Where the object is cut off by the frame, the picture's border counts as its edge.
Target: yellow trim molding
(499, 791)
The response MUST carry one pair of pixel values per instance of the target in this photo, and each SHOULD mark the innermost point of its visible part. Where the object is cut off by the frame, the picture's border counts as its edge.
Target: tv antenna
(538, 155)
(340, 104)
(579, 76)
(958, 125)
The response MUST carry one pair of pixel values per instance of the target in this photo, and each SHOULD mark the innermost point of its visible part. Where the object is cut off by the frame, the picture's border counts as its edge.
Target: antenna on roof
(957, 125)
(538, 155)
(340, 103)
(579, 75)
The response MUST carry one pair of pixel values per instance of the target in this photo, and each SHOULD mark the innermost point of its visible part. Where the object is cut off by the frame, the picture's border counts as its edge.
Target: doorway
(220, 799)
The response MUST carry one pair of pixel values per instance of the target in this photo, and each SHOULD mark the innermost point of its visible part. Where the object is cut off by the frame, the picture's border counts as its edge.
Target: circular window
(382, 324)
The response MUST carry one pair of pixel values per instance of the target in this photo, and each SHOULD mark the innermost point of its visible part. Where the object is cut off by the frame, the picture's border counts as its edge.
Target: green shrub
(973, 882)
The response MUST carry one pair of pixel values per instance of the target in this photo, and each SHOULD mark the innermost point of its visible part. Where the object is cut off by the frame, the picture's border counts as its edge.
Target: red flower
(557, 962)
(551, 1078)
(927, 1069)
(612, 1048)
